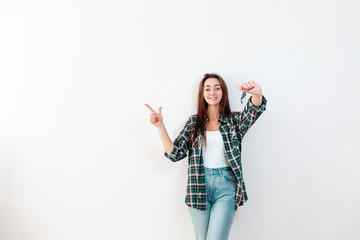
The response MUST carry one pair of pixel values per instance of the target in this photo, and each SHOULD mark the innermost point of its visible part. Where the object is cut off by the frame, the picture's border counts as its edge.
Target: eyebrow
(214, 85)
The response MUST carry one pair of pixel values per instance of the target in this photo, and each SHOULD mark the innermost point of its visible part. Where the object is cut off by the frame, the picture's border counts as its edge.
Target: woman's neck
(213, 112)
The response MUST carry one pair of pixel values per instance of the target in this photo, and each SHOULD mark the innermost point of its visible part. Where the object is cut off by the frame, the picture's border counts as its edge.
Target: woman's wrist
(256, 99)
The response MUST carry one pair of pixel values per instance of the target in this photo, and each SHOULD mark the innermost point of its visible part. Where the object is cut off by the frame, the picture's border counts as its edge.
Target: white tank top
(214, 153)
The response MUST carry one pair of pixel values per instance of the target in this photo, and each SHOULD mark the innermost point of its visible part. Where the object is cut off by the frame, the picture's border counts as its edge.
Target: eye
(218, 89)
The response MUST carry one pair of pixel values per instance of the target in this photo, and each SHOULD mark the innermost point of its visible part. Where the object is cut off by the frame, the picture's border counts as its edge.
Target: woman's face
(212, 91)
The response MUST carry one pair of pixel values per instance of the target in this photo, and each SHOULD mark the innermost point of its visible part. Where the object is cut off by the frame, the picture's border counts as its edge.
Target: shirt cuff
(260, 108)
(172, 155)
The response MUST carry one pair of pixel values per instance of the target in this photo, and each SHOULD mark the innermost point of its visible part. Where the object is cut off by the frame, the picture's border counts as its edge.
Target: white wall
(80, 160)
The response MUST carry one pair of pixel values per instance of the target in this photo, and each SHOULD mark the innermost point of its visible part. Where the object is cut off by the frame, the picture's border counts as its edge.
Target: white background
(79, 158)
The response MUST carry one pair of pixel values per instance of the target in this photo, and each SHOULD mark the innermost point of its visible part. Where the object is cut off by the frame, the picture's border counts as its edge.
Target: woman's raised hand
(156, 119)
(251, 87)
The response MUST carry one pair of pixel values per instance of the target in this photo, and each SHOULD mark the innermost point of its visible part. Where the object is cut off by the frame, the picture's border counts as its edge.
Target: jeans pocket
(229, 176)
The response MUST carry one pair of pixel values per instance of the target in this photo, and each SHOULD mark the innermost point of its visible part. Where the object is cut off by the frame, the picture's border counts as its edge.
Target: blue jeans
(215, 222)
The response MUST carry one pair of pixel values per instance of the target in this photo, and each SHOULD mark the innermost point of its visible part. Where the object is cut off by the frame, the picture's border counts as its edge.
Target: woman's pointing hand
(156, 119)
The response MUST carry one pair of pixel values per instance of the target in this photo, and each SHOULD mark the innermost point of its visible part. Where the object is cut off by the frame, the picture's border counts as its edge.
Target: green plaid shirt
(232, 129)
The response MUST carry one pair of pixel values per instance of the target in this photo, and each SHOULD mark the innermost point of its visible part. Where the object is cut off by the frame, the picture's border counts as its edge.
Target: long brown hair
(202, 106)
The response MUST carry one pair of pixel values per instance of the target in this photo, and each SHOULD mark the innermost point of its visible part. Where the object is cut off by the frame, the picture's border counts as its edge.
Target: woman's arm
(165, 139)
(156, 119)
(174, 151)
(254, 107)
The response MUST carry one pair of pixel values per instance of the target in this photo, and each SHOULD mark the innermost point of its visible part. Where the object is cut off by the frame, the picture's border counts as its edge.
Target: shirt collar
(222, 118)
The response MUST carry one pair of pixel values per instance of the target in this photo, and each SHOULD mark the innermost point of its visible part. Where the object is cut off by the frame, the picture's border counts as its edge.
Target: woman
(212, 141)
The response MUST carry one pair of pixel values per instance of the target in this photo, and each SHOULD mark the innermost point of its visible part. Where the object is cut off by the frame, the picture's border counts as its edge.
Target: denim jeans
(215, 222)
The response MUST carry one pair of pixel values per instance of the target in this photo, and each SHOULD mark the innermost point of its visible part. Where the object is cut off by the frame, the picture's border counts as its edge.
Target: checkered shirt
(232, 129)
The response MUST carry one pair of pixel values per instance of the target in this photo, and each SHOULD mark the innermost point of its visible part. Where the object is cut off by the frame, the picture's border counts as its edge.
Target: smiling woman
(212, 141)
(212, 100)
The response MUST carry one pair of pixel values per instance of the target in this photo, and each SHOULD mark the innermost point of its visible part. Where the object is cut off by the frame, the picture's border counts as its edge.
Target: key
(243, 97)
(244, 94)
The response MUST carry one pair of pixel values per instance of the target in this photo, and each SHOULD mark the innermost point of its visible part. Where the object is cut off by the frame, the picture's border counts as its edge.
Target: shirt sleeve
(180, 144)
(249, 115)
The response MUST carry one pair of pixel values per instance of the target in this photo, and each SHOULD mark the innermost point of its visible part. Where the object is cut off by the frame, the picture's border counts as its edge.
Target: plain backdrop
(79, 158)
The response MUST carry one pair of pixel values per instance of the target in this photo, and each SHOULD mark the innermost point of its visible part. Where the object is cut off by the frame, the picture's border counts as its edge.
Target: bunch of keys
(244, 95)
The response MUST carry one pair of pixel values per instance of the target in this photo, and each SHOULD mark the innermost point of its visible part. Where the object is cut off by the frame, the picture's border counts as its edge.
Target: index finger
(149, 108)
(241, 87)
